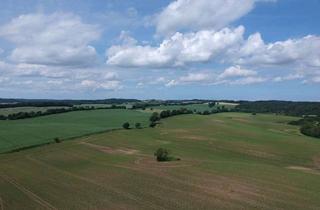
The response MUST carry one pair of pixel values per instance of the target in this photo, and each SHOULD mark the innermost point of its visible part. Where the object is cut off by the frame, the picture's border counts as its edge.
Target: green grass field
(228, 161)
(22, 133)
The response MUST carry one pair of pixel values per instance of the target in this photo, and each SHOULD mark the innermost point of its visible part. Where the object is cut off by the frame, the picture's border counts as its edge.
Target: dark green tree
(154, 117)
(138, 125)
(126, 125)
(162, 154)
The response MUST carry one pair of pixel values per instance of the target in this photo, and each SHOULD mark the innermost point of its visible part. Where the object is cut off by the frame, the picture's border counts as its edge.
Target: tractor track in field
(1, 204)
(27, 192)
(91, 181)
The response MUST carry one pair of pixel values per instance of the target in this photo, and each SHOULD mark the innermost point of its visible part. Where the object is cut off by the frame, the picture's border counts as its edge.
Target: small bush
(162, 155)
(126, 125)
(57, 140)
(138, 125)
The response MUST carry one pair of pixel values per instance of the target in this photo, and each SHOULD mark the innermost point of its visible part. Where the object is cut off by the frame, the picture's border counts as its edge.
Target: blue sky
(182, 49)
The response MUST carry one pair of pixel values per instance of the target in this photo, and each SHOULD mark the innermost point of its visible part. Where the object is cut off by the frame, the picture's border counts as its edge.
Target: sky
(160, 49)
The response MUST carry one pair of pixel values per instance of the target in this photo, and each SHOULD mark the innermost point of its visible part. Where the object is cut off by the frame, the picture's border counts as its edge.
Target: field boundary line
(27, 192)
(52, 142)
(1, 204)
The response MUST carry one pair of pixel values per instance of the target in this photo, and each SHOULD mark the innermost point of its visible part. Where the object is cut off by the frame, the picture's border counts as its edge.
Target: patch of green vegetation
(41, 130)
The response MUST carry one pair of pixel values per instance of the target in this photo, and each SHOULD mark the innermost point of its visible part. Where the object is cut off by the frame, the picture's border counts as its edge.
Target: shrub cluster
(162, 155)
(312, 130)
(309, 126)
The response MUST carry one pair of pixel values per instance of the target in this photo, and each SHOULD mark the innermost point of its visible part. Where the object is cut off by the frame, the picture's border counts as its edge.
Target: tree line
(280, 107)
(156, 117)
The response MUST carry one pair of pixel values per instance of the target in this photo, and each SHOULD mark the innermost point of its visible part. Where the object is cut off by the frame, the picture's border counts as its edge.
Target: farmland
(16, 134)
(228, 161)
(7, 111)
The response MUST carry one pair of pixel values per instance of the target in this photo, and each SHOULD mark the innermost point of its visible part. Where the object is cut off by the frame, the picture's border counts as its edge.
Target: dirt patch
(316, 161)
(221, 189)
(163, 142)
(277, 131)
(262, 154)
(241, 120)
(178, 130)
(251, 150)
(1, 204)
(110, 150)
(164, 133)
(150, 162)
(192, 137)
(304, 169)
(218, 121)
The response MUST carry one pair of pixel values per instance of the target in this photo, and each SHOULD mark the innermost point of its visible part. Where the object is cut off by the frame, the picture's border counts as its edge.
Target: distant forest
(281, 107)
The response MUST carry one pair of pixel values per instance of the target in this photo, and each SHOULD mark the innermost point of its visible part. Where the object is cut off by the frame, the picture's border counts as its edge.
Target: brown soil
(193, 137)
(304, 169)
(110, 150)
(316, 161)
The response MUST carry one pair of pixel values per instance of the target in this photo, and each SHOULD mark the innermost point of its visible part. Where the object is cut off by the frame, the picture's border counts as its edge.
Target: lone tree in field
(162, 154)
(138, 125)
(126, 125)
(57, 140)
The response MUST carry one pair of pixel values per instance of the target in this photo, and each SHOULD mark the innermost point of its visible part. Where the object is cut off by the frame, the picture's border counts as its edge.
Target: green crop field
(27, 132)
(228, 161)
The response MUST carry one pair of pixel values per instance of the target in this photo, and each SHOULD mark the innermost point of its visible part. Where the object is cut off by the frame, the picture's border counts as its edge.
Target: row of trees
(281, 107)
(311, 130)
(126, 125)
(213, 111)
(32, 114)
(155, 117)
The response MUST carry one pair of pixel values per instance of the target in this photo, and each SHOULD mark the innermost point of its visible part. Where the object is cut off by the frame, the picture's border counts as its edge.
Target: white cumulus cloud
(104, 85)
(302, 52)
(58, 39)
(177, 50)
(236, 71)
(200, 14)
